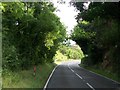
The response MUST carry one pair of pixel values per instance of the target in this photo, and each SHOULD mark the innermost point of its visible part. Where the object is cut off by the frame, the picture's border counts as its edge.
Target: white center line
(79, 76)
(68, 65)
(72, 70)
(90, 86)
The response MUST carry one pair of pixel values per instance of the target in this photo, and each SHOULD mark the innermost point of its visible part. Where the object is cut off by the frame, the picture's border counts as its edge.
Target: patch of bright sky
(66, 13)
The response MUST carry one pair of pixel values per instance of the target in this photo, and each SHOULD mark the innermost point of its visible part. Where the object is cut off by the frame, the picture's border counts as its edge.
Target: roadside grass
(26, 79)
(103, 72)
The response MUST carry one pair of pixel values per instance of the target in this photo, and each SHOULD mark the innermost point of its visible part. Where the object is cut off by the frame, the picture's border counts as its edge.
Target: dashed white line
(100, 75)
(79, 76)
(72, 70)
(90, 86)
(68, 66)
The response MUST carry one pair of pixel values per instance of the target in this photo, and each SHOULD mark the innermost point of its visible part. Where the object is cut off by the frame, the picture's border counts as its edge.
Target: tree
(104, 23)
(28, 29)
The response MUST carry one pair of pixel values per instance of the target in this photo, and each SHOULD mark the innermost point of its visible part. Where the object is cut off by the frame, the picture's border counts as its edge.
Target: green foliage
(31, 33)
(59, 56)
(83, 36)
(72, 52)
(97, 9)
(99, 38)
(97, 69)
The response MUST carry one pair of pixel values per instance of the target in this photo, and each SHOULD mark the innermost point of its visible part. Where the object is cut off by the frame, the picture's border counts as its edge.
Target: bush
(59, 56)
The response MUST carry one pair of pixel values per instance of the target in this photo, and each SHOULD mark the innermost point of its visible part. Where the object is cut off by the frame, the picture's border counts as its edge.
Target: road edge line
(50, 77)
(101, 75)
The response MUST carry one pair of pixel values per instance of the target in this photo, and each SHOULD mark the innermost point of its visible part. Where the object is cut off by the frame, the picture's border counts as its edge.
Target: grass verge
(103, 72)
(26, 79)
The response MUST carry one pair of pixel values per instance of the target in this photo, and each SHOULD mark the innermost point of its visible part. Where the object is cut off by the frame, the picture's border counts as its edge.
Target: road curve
(70, 75)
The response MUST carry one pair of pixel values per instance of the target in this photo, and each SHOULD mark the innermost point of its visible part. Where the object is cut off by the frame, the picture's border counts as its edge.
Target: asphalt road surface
(70, 75)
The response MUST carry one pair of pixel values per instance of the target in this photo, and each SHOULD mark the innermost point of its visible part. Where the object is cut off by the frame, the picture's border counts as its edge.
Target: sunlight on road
(62, 61)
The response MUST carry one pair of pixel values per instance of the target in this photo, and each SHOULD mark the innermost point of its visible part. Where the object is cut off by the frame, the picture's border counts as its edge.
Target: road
(70, 75)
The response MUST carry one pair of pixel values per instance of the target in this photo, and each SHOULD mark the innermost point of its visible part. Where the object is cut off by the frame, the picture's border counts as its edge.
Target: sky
(67, 14)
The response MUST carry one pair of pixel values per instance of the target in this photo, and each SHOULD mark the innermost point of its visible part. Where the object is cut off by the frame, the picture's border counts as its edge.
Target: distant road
(70, 75)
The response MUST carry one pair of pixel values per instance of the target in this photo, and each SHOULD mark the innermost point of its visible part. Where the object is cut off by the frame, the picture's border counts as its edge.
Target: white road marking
(49, 77)
(100, 75)
(79, 76)
(68, 66)
(72, 70)
(90, 86)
